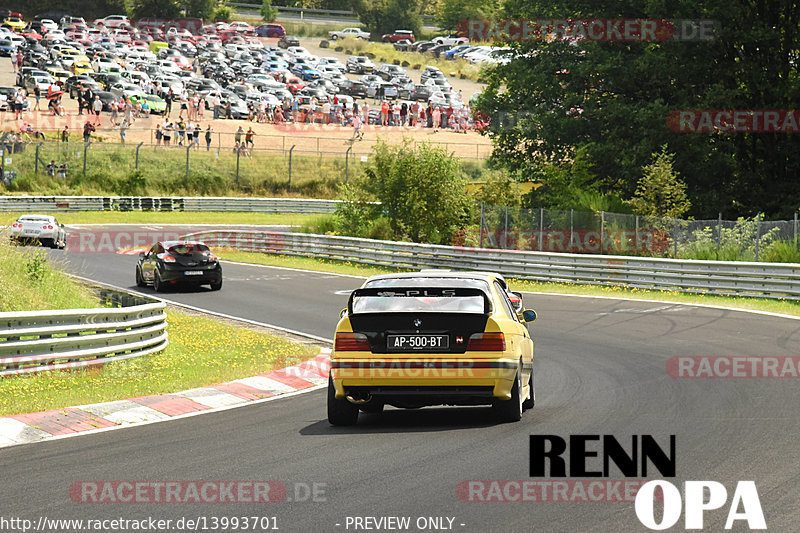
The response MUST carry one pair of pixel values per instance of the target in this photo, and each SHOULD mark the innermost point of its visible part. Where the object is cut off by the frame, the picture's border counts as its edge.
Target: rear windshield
(187, 249)
(418, 304)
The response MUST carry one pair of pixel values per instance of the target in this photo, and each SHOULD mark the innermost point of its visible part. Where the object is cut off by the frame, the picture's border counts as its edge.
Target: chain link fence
(550, 230)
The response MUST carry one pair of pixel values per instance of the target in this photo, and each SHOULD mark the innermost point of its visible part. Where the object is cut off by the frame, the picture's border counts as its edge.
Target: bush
(223, 13)
(268, 13)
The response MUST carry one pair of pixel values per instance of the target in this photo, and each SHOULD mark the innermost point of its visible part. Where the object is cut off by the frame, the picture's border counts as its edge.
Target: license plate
(417, 342)
(31, 232)
(193, 273)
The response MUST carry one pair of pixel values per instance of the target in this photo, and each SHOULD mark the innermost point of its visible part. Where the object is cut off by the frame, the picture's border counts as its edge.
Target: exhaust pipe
(359, 397)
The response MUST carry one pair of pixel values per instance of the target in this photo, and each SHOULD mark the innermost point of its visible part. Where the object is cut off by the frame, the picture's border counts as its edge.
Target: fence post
(758, 233)
(36, 163)
(480, 227)
(187, 162)
(541, 227)
(675, 239)
(636, 235)
(85, 149)
(290, 167)
(505, 233)
(571, 228)
(137, 154)
(602, 230)
(347, 164)
(238, 153)
(795, 227)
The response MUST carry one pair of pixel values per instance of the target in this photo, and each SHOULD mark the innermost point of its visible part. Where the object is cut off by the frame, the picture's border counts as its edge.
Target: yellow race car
(81, 68)
(431, 338)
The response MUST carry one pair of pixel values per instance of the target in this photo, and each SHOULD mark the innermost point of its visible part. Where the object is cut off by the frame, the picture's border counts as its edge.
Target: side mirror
(343, 313)
(528, 315)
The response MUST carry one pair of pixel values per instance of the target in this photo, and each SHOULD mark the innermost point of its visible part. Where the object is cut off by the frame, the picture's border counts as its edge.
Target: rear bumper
(425, 376)
(178, 275)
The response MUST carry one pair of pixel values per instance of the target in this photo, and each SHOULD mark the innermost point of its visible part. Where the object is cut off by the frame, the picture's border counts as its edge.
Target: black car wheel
(157, 284)
(511, 410)
(216, 285)
(340, 412)
(531, 400)
(139, 280)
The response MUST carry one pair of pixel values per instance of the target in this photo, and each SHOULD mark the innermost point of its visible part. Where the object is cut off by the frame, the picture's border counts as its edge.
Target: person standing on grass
(65, 134)
(123, 130)
(88, 128)
(167, 133)
(189, 133)
(208, 138)
(237, 137)
(248, 138)
(158, 134)
(114, 107)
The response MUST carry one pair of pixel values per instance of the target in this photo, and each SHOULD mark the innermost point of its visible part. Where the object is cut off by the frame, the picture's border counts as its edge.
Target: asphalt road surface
(600, 369)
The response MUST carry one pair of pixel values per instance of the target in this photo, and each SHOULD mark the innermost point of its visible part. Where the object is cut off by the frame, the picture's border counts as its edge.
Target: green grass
(32, 283)
(110, 170)
(386, 53)
(355, 269)
(171, 217)
(201, 352)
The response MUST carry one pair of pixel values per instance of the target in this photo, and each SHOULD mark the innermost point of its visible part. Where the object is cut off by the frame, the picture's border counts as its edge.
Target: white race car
(42, 228)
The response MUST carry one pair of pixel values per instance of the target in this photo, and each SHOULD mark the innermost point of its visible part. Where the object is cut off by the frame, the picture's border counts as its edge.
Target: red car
(295, 85)
(398, 35)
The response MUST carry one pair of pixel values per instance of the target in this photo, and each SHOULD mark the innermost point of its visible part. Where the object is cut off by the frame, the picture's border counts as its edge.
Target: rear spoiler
(431, 292)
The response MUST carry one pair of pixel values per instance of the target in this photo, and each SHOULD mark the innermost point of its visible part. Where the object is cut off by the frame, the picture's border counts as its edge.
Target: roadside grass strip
(70, 421)
(201, 352)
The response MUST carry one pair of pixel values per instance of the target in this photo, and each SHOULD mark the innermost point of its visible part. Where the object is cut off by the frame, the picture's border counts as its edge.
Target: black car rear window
(187, 249)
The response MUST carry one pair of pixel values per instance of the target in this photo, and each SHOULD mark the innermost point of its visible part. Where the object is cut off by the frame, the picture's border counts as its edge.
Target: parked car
(359, 65)
(270, 30)
(398, 35)
(453, 39)
(288, 40)
(171, 263)
(387, 72)
(355, 33)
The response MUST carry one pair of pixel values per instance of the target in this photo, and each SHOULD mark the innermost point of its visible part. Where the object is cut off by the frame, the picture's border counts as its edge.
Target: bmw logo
(417, 322)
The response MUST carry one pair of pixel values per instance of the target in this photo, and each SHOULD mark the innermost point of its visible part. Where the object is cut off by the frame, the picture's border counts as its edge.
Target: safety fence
(34, 341)
(56, 204)
(769, 280)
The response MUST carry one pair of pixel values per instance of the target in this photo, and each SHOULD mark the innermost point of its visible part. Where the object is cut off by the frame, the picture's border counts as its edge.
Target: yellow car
(60, 75)
(15, 23)
(81, 68)
(431, 338)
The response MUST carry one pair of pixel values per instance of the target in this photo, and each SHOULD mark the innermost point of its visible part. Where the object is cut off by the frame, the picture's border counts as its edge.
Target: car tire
(139, 279)
(334, 37)
(529, 402)
(216, 285)
(158, 286)
(340, 412)
(510, 410)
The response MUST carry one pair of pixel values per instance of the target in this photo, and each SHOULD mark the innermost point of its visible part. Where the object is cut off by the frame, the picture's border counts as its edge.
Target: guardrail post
(758, 233)
(85, 150)
(36, 163)
(347, 164)
(290, 166)
(137, 154)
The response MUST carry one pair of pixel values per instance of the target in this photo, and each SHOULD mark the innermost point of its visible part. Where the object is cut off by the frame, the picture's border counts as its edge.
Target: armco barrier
(771, 280)
(32, 341)
(56, 204)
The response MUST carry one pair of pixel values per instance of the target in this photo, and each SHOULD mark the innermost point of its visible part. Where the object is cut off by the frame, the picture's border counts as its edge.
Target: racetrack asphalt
(600, 369)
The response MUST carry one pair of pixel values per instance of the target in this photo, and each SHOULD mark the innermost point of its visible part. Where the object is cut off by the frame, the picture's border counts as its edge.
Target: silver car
(43, 229)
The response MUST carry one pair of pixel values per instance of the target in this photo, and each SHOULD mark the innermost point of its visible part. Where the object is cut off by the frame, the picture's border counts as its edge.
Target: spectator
(168, 99)
(37, 93)
(51, 168)
(123, 130)
(196, 136)
(237, 137)
(114, 107)
(158, 134)
(208, 138)
(357, 133)
(167, 128)
(189, 134)
(216, 103)
(88, 128)
(403, 113)
(62, 171)
(98, 107)
(65, 134)
(181, 131)
(19, 104)
(384, 113)
(248, 138)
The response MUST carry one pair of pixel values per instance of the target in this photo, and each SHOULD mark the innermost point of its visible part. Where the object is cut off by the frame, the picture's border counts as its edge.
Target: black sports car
(170, 263)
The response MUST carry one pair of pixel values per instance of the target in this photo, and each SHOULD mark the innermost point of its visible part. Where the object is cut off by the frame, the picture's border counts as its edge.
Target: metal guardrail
(33, 341)
(55, 204)
(770, 280)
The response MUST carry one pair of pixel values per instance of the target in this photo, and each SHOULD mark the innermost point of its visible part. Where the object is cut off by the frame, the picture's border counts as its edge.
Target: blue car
(456, 51)
(270, 30)
(306, 73)
(7, 47)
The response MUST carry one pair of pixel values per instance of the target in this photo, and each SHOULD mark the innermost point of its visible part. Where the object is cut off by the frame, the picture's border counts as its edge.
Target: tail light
(47, 227)
(351, 342)
(167, 258)
(213, 258)
(487, 342)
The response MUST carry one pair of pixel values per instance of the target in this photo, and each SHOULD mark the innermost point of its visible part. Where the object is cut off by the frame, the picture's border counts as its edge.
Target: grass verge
(355, 269)
(201, 352)
(172, 217)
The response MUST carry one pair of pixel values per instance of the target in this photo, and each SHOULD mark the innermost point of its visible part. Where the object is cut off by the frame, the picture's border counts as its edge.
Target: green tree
(223, 13)
(660, 193)
(385, 16)
(421, 191)
(155, 8)
(450, 13)
(614, 98)
(202, 9)
(268, 12)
